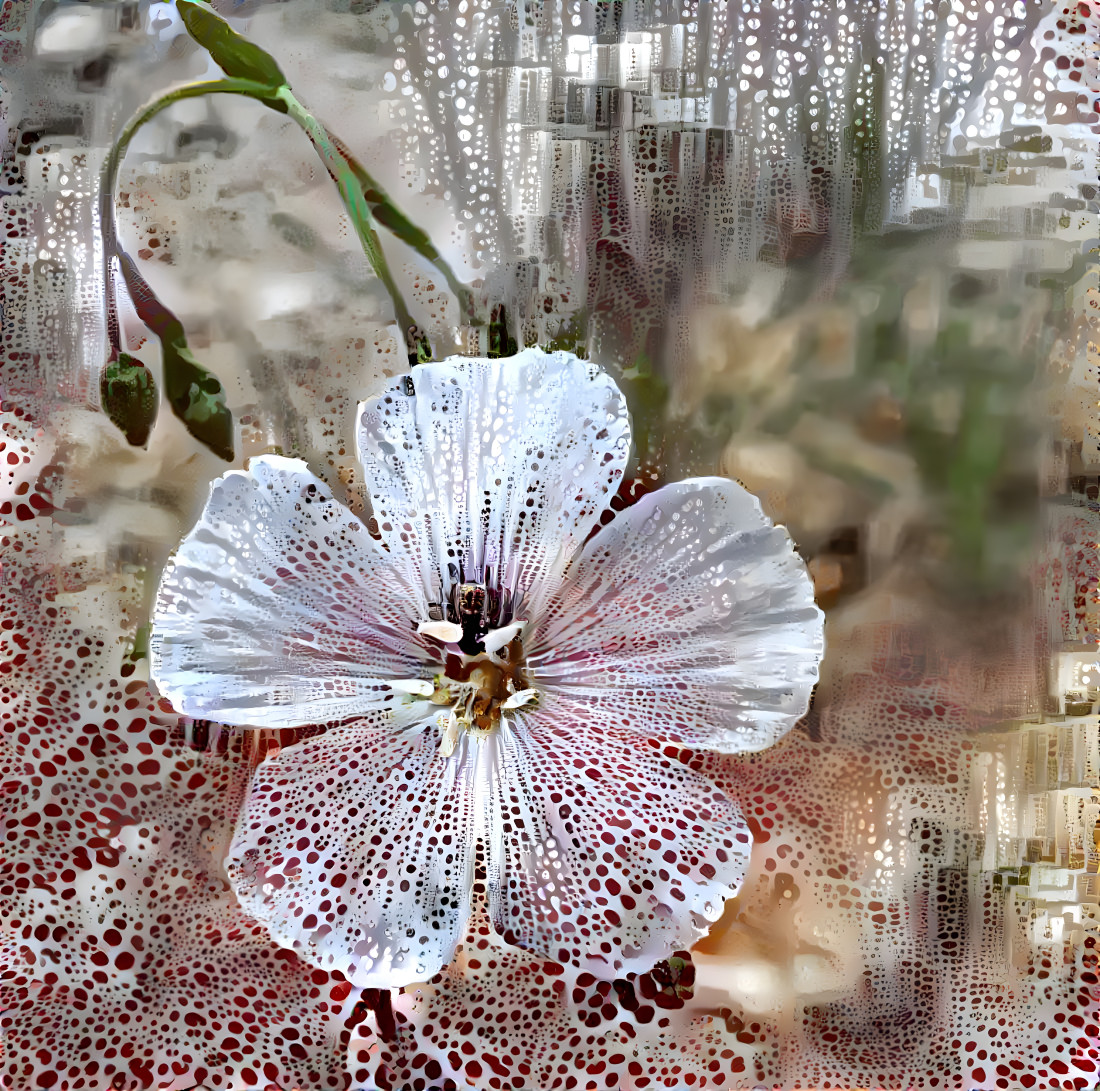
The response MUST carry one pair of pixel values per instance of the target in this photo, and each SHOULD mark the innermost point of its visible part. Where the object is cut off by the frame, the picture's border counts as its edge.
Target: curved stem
(362, 200)
(359, 212)
(360, 193)
(397, 223)
(109, 177)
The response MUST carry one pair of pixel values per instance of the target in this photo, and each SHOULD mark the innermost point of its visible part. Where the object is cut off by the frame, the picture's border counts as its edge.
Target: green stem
(363, 198)
(109, 177)
(359, 212)
(398, 224)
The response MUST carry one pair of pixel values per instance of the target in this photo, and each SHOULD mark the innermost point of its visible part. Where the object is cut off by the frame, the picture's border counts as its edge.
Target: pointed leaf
(383, 210)
(235, 55)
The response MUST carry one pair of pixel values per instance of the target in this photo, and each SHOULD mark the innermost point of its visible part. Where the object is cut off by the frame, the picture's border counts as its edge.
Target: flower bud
(128, 393)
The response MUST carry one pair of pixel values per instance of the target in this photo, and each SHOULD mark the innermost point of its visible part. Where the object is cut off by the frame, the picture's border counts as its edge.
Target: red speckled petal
(355, 848)
(127, 962)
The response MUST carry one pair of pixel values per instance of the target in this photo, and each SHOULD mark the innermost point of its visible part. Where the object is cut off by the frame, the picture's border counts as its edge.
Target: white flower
(507, 677)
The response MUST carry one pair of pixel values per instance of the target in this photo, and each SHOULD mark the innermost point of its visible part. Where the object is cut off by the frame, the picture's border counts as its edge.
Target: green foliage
(423, 349)
(571, 336)
(366, 201)
(197, 398)
(195, 394)
(235, 55)
(647, 395)
(899, 405)
(961, 391)
(139, 649)
(501, 341)
(129, 396)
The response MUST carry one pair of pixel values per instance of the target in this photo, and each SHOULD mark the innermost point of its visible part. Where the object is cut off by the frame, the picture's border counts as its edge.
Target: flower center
(483, 684)
(483, 672)
(479, 689)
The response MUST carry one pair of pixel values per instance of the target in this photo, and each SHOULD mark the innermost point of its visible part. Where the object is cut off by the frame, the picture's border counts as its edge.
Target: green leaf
(235, 56)
(128, 392)
(423, 350)
(385, 212)
(198, 399)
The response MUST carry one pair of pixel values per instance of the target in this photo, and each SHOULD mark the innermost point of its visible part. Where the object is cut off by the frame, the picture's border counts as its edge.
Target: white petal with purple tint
(279, 609)
(520, 719)
(499, 467)
(603, 854)
(689, 617)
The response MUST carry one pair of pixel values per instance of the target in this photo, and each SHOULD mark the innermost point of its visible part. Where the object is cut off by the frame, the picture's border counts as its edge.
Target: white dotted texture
(649, 155)
(279, 609)
(356, 849)
(495, 469)
(690, 617)
(604, 855)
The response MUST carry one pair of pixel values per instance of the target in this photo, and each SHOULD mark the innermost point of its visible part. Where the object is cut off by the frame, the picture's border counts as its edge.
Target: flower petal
(691, 618)
(604, 854)
(503, 465)
(279, 609)
(354, 848)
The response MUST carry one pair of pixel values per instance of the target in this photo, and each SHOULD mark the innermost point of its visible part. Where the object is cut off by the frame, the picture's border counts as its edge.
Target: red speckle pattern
(361, 845)
(1067, 39)
(25, 469)
(503, 1020)
(127, 962)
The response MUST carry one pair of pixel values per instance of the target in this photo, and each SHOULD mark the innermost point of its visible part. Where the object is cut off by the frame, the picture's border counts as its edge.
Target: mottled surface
(837, 252)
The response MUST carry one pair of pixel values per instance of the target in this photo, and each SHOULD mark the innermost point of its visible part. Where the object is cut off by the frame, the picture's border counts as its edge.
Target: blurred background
(841, 251)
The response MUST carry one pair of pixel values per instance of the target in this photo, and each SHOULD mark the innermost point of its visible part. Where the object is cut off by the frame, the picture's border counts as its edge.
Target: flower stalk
(194, 392)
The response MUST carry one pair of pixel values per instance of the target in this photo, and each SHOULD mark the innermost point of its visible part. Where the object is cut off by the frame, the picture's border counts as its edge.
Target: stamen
(484, 665)
(449, 739)
(518, 700)
(496, 639)
(446, 631)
